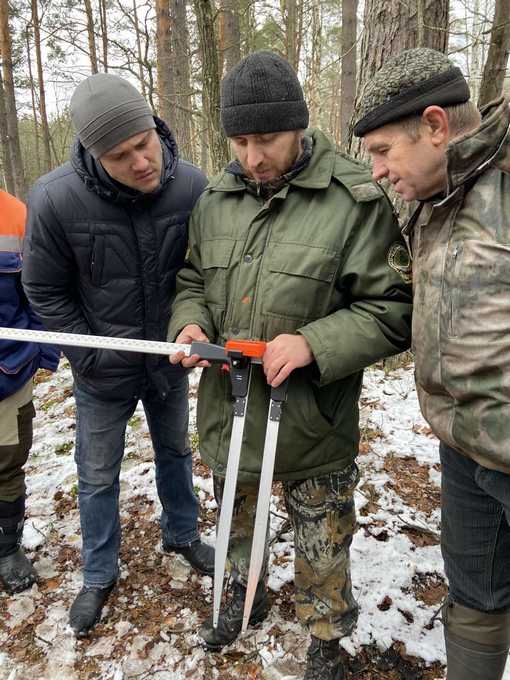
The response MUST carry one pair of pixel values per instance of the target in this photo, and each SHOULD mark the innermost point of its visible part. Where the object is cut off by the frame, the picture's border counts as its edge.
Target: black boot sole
(20, 588)
(254, 620)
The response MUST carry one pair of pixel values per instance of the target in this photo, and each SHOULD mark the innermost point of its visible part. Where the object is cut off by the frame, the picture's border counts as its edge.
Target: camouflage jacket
(323, 257)
(461, 276)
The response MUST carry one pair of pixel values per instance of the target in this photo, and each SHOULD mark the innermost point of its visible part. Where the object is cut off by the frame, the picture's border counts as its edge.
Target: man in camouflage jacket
(429, 140)
(295, 245)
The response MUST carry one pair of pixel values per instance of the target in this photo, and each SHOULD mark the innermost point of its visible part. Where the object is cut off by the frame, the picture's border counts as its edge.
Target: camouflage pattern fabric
(322, 513)
(461, 276)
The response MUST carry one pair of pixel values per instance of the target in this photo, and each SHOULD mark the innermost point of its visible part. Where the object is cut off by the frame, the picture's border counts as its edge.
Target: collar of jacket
(471, 154)
(98, 181)
(316, 175)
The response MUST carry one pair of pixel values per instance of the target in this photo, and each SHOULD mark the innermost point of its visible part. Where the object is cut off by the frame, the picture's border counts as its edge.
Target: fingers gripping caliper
(237, 356)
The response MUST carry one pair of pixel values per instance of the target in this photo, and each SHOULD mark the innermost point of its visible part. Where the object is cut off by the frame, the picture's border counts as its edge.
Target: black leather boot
(16, 570)
(324, 661)
(199, 555)
(231, 617)
(86, 609)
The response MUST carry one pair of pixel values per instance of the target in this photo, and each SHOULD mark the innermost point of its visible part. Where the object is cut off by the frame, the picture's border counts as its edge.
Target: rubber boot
(231, 617)
(324, 661)
(477, 643)
(16, 570)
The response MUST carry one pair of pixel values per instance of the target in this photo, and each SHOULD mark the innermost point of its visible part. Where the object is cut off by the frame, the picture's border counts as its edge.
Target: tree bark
(348, 81)
(104, 31)
(4, 139)
(230, 35)
(180, 78)
(497, 60)
(163, 56)
(139, 51)
(218, 146)
(312, 82)
(10, 102)
(174, 87)
(91, 36)
(292, 40)
(34, 104)
(42, 94)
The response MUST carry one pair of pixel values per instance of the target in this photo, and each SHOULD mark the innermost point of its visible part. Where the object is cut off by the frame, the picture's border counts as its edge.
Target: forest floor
(149, 627)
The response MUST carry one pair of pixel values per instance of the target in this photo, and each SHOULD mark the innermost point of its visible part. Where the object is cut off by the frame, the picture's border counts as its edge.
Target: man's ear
(435, 121)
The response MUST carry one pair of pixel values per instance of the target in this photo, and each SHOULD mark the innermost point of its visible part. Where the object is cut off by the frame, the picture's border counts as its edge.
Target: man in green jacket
(292, 244)
(427, 137)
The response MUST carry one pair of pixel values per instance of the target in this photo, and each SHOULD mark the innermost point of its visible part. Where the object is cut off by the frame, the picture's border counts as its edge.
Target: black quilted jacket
(100, 258)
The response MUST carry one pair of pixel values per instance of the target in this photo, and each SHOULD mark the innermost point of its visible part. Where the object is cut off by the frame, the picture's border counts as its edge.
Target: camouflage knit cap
(406, 85)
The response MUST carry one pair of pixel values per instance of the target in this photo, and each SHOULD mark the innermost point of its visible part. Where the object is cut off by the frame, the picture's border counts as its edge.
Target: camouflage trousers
(321, 510)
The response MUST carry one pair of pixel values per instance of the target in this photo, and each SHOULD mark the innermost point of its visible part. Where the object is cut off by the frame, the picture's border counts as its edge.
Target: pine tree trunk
(139, 51)
(312, 92)
(348, 81)
(34, 105)
(4, 140)
(91, 36)
(497, 60)
(10, 102)
(163, 56)
(42, 94)
(291, 18)
(174, 79)
(180, 79)
(218, 146)
(104, 31)
(230, 35)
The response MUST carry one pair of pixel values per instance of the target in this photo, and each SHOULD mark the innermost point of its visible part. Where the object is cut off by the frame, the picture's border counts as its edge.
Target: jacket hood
(97, 180)
(489, 143)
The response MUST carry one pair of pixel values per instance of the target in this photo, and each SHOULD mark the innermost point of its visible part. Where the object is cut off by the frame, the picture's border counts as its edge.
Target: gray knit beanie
(262, 94)
(106, 110)
(406, 85)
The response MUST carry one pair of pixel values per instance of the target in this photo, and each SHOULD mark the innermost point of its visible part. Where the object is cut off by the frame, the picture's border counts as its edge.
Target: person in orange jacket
(19, 361)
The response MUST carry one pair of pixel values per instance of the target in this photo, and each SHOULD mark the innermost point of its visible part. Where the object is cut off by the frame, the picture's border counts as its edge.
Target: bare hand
(284, 354)
(188, 334)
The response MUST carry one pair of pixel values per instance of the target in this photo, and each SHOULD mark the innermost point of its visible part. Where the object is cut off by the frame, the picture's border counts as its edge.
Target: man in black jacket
(106, 235)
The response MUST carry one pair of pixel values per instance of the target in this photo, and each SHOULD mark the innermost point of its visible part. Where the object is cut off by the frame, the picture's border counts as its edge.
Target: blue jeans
(475, 532)
(100, 433)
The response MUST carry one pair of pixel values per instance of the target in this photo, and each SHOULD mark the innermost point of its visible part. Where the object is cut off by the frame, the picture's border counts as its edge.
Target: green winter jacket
(461, 277)
(324, 258)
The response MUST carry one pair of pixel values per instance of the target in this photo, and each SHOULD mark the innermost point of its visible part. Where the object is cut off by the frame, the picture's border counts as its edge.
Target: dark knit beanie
(262, 94)
(406, 85)
(106, 110)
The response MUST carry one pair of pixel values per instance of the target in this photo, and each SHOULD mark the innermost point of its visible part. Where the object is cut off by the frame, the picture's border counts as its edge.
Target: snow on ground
(149, 626)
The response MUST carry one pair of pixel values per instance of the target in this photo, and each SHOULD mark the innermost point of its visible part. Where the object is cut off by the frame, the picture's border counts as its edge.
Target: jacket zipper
(451, 325)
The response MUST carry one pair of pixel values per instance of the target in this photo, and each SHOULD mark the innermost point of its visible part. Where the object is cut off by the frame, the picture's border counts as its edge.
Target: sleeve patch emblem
(400, 261)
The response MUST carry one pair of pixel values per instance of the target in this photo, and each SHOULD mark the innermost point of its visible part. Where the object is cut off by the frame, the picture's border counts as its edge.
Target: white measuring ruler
(94, 341)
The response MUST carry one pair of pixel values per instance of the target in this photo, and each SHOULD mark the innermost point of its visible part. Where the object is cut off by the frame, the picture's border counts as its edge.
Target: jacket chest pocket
(216, 256)
(300, 282)
(479, 293)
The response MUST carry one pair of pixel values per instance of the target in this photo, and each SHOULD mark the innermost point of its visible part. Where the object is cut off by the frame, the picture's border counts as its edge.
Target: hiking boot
(86, 609)
(199, 555)
(324, 661)
(231, 617)
(17, 572)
